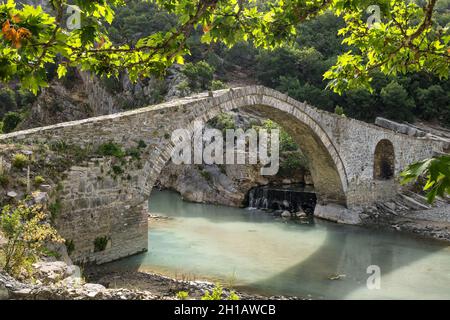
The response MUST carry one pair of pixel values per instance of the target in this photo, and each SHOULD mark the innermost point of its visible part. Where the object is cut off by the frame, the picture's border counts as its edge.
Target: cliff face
(224, 185)
(82, 95)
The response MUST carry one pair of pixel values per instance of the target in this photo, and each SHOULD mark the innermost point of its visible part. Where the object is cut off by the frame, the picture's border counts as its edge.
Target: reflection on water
(277, 258)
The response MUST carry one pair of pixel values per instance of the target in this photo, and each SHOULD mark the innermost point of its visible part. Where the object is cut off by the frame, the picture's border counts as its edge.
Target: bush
(27, 231)
(206, 175)
(24, 98)
(111, 149)
(287, 143)
(54, 209)
(223, 122)
(4, 180)
(117, 170)
(217, 294)
(39, 180)
(142, 144)
(11, 121)
(200, 75)
(70, 246)
(20, 161)
(134, 153)
(100, 244)
(218, 85)
(291, 162)
(182, 295)
(339, 111)
(7, 100)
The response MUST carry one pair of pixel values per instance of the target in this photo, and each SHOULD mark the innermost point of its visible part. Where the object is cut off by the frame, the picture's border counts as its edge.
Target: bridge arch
(326, 166)
(384, 160)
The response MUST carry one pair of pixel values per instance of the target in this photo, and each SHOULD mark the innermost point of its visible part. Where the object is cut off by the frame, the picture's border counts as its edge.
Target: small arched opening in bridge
(384, 161)
(327, 169)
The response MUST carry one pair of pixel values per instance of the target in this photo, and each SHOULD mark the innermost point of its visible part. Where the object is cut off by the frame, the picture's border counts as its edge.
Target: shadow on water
(338, 268)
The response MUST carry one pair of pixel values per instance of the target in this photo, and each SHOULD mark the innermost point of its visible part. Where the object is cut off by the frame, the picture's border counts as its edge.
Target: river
(255, 252)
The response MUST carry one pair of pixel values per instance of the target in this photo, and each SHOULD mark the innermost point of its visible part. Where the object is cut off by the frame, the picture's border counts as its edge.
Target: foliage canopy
(406, 39)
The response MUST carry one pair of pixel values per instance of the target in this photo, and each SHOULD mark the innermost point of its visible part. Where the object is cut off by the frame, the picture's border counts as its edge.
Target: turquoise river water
(252, 251)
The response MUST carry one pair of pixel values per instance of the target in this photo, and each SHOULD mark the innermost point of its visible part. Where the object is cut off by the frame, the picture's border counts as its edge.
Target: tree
(7, 100)
(433, 103)
(200, 75)
(408, 39)
(399, 104)
(361, 104)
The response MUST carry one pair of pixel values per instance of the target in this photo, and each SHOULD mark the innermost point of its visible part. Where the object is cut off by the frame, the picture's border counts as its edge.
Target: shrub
(59, 146)
(217, 294)
(339, 111)
(11, 121)
(24, 97)
(54, 209)
(134, 153)
(200, 75)
(111, 149)
(223, 122)
(39, 180)
(27, 231)
(142, 144)
(7, 100)
(4, 180)
(206, 175)
(112, 84)
(291, 162)
(182, 295)
(20, 161)
(100, 243)
(70, 246)
(218, 85)
(117, 169)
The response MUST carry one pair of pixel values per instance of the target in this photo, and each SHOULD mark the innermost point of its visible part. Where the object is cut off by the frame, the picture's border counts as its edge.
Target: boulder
(12, 194)
(45, 187)
(286, 214)
(399, 127)
(300, 214)
(51, 272)
(308, 179)
(40, 197)
(93, 290)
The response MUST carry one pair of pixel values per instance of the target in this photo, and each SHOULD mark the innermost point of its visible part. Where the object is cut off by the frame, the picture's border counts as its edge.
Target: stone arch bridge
(352, 163)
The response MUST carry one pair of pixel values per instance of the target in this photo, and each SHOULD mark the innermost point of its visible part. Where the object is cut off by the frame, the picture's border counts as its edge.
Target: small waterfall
(292, 198)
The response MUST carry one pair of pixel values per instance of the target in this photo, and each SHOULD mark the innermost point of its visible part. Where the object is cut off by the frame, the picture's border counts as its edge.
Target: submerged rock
(286, 214)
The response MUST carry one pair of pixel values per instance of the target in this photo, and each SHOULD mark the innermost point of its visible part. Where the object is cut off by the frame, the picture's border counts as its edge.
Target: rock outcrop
(13, 289)
(410, 212)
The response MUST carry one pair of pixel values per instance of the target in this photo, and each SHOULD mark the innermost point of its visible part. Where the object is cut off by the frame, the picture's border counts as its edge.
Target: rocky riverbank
(60, 281)
(409, 212)
(164, 287)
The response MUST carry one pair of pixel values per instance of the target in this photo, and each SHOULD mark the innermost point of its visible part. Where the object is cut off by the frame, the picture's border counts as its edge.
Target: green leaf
(62, 71)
